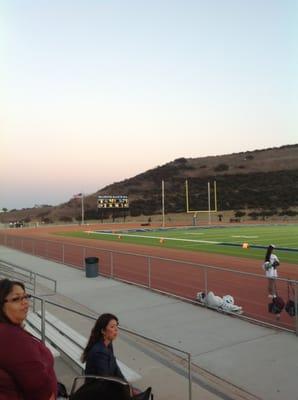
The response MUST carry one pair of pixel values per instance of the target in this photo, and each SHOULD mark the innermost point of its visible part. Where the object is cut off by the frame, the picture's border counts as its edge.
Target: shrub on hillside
(43, 214)
(289, 213)
(221, 167)
(47, 221)
(239, 214)
(253, 215)
(65, 218)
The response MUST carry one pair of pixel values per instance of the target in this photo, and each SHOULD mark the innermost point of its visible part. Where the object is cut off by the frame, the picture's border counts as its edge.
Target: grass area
(223, 240)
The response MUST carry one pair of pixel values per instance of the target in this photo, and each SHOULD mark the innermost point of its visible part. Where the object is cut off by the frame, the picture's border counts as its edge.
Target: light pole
(81, 196)
(83, 211)
(163, 202)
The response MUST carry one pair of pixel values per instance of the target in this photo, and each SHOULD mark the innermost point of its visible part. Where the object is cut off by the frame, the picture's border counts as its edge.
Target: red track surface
(180, 279)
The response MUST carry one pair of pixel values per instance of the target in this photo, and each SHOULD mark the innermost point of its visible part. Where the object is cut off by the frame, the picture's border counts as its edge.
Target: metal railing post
(205, 281)
(149, 272)
(296, 309)
(112, 265)
(63, 253)
(189, 377)
(34, 291)
(43, 320)
(84, 256)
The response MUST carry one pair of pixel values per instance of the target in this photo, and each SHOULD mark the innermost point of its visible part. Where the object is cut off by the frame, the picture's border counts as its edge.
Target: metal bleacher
(35, 333)
(60, 338)
(69, 342)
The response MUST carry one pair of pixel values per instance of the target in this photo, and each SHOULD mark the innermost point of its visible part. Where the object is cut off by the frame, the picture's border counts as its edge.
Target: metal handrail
(43, 336)
(151, 258)
(32, 275)
(172, 260)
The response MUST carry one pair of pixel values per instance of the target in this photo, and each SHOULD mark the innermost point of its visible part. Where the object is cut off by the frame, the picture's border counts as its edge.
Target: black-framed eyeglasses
(18, 299)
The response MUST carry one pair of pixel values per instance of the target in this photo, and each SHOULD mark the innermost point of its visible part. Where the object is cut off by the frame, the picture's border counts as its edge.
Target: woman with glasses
(26, 364)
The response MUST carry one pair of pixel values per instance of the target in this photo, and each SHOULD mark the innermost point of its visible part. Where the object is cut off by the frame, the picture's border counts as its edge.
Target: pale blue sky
(94, 92)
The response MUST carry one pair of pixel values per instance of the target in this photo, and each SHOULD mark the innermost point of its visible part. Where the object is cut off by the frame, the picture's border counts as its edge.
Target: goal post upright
(209, 211)
(186, 196)
(215, 196)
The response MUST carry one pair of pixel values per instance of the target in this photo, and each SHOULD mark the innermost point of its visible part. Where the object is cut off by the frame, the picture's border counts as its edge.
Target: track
(180, 279)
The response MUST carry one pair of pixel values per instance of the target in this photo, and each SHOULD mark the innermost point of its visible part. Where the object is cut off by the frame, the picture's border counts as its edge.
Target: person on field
(270, 267)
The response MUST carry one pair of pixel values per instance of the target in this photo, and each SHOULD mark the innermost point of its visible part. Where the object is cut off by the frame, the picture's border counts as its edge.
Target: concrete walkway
(261, 361)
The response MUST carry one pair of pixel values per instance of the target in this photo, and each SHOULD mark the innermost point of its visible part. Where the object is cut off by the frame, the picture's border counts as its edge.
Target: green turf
(194, 239)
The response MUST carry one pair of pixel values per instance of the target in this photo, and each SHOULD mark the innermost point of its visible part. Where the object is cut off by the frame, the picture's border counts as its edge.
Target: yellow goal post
(209, 200)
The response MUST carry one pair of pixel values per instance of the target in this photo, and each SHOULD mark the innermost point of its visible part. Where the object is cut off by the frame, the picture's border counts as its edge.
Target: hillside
(261, 179)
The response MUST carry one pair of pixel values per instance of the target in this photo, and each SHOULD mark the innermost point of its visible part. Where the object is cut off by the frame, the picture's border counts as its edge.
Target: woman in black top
(99, 354)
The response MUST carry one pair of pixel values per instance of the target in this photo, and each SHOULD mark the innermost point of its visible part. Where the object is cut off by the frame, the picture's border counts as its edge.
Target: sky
(93, 92)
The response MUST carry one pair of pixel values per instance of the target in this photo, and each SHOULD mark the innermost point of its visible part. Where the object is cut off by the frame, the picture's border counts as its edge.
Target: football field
(222, 240)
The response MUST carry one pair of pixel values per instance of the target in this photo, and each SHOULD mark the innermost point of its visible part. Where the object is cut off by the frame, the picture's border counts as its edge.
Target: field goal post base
(194, 217)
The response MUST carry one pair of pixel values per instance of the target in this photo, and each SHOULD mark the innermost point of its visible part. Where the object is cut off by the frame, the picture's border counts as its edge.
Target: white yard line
(192, 233)
(155, 237)
(245, 237)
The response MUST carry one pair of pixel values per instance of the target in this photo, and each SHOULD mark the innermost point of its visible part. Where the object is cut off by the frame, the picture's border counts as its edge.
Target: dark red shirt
(26, 366)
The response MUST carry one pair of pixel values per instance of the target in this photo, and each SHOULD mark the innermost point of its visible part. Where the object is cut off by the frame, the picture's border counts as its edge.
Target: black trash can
(91, 267)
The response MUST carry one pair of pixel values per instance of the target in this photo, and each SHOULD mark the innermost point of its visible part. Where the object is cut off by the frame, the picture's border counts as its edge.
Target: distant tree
(47, 220)
(65, 218)
(268, 213)
(43, 214)
(263, 214)
(4, 209)
(135, 212)
(181, 160)
(239, 214)
(289, 213)
(91, 214)
(221, 167)
(253, 215)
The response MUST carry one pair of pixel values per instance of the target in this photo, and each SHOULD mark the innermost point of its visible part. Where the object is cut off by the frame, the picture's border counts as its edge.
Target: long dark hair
(96, 332)
(6, 286)
(269, 251)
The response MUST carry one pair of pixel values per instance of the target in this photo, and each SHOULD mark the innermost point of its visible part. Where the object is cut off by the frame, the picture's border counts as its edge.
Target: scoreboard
(112, 202)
